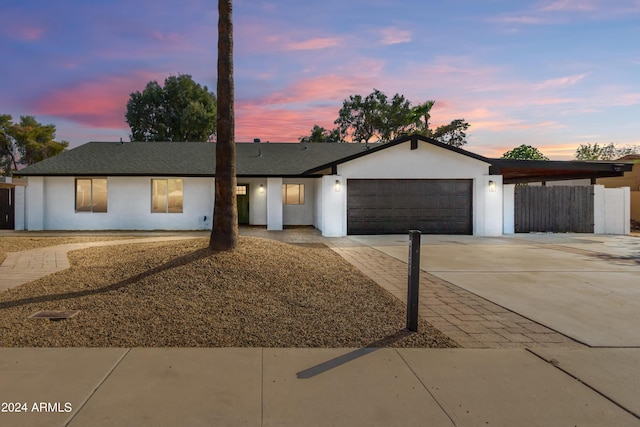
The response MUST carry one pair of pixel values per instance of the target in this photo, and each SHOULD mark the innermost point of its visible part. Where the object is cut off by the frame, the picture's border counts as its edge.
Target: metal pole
(414, 280)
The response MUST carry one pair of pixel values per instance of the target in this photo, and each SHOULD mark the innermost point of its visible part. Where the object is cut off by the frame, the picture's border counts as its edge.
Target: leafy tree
(181, 110)
(397, 118)
(320, 134)
(224, 234)
(376, 116)
(26, 143)
(452, 134)
(525, 152)
(605, 152)
(361, 118)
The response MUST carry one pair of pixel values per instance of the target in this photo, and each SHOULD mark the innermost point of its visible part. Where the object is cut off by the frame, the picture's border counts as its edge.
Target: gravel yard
(177, 294)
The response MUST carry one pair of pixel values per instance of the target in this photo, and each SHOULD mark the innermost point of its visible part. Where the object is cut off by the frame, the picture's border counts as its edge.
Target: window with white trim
(166, 195)
(91, 194)
(293, 194)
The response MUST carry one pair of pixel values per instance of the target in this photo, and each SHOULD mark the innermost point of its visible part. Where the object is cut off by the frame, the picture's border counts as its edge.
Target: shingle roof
(199, 158)
(189, 159)
(278, 159)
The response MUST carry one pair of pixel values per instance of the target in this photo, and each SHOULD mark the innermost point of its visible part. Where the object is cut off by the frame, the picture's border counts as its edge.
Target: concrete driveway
(584, 286)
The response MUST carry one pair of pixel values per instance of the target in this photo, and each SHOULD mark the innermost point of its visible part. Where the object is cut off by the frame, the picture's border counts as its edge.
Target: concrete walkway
(513, 372)
(25, 266)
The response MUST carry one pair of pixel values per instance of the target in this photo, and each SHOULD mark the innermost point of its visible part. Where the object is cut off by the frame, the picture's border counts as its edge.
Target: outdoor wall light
(261, 189)
(492, 186)
(337, 187)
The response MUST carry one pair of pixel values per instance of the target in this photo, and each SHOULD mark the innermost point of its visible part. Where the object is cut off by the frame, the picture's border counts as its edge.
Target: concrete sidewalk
(313, 387)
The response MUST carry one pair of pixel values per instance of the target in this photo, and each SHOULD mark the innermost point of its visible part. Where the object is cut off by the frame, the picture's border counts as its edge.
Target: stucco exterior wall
(427, 161)
(334, 206)
(34, 204)
(635, 205)
(274, 204)
(317, 206)
(300, 214)
(20, 204)
(488, 206)
(128, 206)
(629, 179)
(508, 208)
(611, 210)
(50, 205)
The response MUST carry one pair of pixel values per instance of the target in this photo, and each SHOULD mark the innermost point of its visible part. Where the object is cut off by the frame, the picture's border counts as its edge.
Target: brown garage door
(395, 206)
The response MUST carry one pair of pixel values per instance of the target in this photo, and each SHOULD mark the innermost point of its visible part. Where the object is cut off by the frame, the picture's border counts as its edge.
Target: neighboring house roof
(279, 159)
(630, 158)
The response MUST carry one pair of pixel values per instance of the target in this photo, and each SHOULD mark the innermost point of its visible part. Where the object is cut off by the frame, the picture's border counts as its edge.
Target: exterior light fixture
(261, 189)
(492, 186)
(337, 187)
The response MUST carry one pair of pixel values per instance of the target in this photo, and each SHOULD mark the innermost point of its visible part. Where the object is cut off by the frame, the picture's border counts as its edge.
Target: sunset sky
(550, 73)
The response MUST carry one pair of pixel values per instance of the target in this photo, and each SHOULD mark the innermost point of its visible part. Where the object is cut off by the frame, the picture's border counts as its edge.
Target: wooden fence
(554, 209)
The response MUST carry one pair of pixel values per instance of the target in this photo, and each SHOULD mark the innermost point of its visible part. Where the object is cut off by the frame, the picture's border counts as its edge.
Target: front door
(242, 200)
(7, 209)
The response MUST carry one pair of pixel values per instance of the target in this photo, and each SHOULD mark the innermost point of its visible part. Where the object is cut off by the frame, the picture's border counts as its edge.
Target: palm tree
(224, 234)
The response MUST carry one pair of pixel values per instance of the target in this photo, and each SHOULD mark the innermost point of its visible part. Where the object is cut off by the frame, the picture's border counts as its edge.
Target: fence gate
(554, 209)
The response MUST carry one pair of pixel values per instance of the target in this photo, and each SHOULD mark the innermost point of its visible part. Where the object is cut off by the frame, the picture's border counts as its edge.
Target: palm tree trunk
(224, 234)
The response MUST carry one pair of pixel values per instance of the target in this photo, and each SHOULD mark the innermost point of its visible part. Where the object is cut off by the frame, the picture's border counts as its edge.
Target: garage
(395, 206)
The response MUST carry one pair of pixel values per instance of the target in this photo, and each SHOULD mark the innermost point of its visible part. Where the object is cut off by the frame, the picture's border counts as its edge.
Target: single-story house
(411, 183)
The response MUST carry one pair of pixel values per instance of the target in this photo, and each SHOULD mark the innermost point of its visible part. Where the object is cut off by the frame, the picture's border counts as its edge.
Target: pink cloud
(569, 6)
(561, 81)
(560, 11)
(519, 19)
(329, 88)
(395, 36)
(566, 151)
(629, 99)
(256, 36)
(290, 113)
(314, 44)
(279, 124)
(30, 33)
(99, 103)
(172, 38)
(21, 31)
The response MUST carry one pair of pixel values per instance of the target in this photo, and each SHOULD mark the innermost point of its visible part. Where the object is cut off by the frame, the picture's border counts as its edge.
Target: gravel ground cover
(22, 243)
(264, 294)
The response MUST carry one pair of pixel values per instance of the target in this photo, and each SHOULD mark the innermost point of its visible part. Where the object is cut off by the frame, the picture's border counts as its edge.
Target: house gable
(426, 160)
(414, 141)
